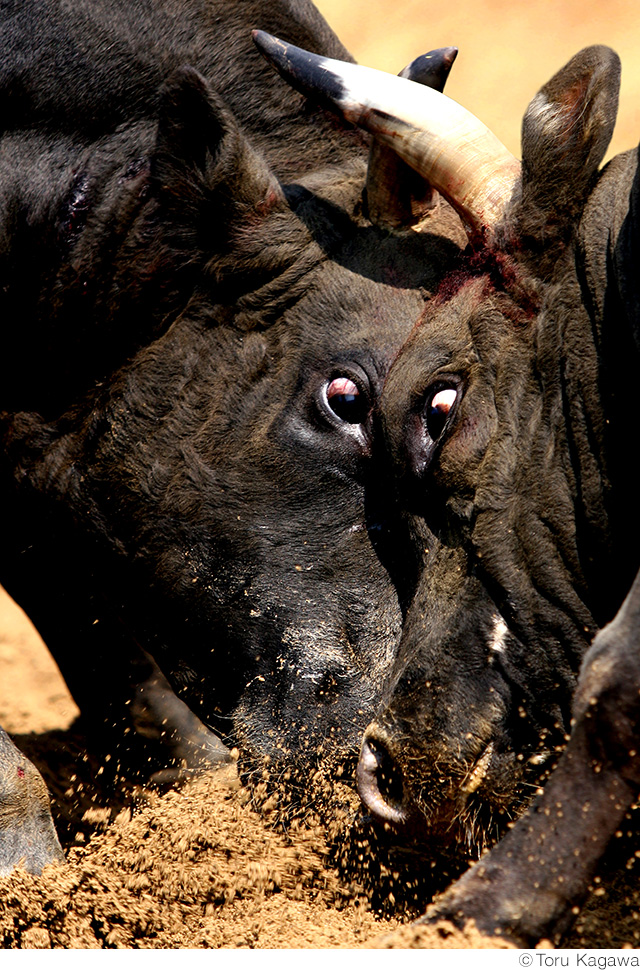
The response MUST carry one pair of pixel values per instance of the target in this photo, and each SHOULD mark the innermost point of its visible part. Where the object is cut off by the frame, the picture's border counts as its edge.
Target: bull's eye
(346, 400)
(438, 409)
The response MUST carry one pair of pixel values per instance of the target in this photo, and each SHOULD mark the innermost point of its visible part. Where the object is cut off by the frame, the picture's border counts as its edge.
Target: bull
(508, 417)
(203, 287)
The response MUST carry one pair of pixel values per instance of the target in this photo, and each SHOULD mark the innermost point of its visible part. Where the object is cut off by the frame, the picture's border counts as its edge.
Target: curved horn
(437, 137)
(396, 195)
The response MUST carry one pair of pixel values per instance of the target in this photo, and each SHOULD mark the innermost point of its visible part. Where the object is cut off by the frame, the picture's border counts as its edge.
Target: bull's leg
(157, 713)
(125, 701)
(527, 887)
(27, 834)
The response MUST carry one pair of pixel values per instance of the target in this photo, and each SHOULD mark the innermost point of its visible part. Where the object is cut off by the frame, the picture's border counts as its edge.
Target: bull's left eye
(346, 400)
(438, 410)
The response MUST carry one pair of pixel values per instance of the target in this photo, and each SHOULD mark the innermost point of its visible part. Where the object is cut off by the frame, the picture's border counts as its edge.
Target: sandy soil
(195, 867)
(200, 867)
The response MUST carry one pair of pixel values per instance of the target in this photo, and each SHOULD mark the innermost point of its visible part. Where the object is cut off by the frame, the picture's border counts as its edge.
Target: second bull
(509, 416)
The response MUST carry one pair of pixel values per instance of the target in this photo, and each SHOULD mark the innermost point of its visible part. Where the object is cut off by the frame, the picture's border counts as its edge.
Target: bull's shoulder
(608, 242)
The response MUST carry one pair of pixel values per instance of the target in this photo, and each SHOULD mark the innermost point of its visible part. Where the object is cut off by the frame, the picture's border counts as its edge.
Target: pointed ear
(205, 171)
(565, 134)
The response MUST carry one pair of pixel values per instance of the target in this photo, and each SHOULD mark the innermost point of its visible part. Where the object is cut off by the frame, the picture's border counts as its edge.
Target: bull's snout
(379, 781)
(430, 793)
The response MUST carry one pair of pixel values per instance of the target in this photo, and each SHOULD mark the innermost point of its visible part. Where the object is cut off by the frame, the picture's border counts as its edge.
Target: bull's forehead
(347, 309)
(457, 332)
(441, 342)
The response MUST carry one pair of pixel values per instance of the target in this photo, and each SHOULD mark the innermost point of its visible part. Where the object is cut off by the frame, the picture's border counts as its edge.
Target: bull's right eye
(438, 410)
(346, 400)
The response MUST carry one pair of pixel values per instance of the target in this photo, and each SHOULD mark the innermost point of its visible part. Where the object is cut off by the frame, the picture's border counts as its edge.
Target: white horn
(436, 136)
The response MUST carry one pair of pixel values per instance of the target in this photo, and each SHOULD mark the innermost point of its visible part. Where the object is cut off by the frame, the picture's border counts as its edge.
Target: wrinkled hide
(523, 484)
(507, 418)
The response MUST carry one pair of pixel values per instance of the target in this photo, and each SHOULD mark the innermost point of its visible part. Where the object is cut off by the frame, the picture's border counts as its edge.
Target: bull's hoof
(27, 835)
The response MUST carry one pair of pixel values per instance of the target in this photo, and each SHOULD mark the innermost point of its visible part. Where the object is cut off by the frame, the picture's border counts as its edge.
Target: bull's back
(87, 67)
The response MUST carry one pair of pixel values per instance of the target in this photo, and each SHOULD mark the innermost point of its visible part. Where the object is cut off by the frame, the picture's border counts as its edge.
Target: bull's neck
(599, 364)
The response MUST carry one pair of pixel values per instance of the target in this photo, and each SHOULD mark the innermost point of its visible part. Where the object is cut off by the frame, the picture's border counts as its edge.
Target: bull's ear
(565, 134)
(204, 171)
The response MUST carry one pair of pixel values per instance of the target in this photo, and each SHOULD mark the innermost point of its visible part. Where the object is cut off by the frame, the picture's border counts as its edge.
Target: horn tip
(449, 55)
(431, 69)
(266, 43)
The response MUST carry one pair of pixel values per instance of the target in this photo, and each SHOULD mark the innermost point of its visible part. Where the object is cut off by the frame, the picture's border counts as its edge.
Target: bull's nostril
(379, 783)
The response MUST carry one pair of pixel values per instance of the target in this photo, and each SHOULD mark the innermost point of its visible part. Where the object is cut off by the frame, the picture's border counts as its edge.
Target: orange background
(507, 50)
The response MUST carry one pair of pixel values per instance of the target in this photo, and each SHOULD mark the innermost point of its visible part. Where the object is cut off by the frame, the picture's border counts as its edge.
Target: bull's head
(501, 417)
(189, 466)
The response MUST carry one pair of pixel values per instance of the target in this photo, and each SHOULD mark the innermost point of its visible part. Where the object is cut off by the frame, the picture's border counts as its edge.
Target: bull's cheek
(454, 478)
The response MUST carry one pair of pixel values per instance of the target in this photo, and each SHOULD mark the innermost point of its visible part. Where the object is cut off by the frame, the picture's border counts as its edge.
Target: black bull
(198, 316)
(509, 417)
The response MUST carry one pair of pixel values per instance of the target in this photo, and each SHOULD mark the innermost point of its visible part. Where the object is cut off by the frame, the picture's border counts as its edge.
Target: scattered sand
(198, 867)
(195, 867)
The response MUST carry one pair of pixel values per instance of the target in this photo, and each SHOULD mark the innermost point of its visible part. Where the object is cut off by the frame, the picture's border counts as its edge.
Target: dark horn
(301, 69)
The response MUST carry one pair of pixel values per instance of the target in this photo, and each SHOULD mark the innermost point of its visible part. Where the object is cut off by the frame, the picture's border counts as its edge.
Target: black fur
(527, 506)
(185, 267)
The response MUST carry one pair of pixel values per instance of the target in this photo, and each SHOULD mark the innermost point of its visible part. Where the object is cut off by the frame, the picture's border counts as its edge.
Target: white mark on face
(475, 777)
(497, 643)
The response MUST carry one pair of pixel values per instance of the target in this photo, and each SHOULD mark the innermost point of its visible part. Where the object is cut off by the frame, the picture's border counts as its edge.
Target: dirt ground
(199, 867)
(195, 867)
